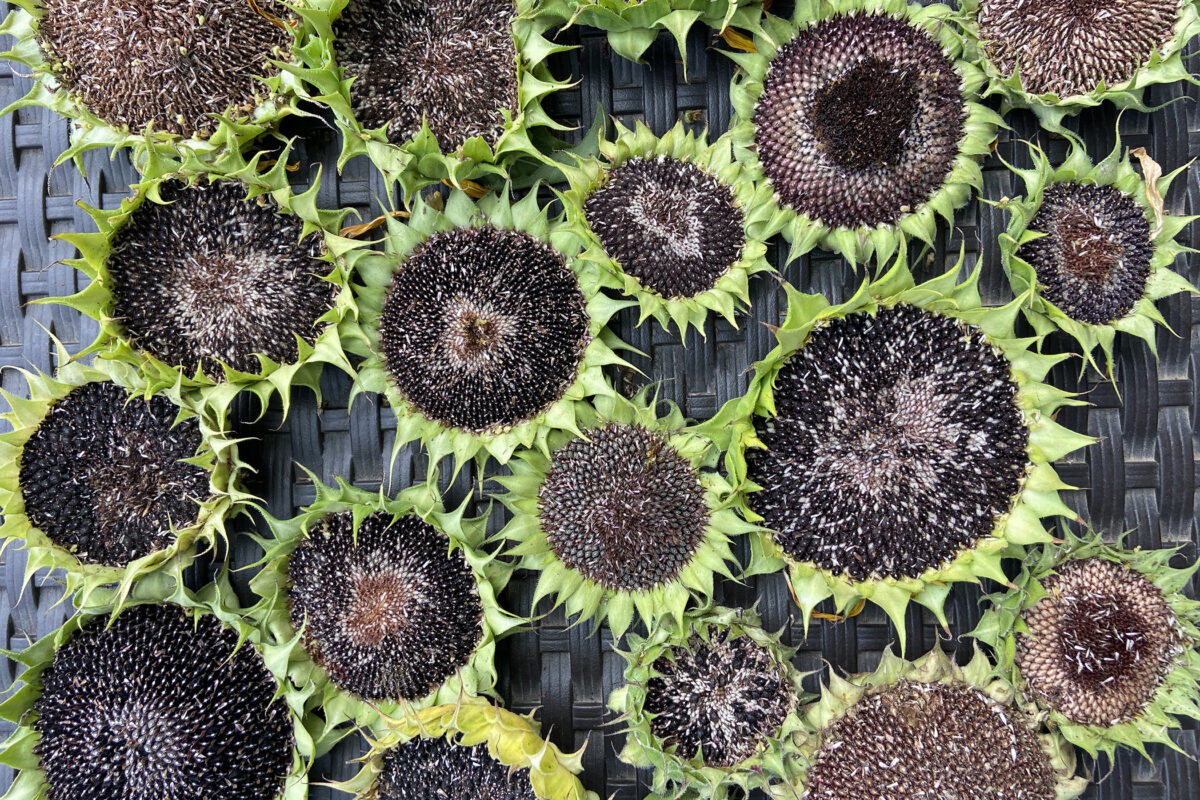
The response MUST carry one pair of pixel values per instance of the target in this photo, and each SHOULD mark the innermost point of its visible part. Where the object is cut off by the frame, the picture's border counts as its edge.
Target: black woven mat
(1141, 476)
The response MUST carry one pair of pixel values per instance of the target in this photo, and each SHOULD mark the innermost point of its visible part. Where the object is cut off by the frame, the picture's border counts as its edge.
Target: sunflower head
(1092, 247)
(910, 412)
(1058, 58)
(861, 115)
(1102, 639)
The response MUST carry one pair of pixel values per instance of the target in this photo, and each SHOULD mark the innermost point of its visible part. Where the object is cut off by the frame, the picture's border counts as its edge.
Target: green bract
(494, 212)
(648, 583)
(218, 456)
(863, 241)
(283, 647)
(1177, 694)
(1117, 171)
(420, 160)
(679, 774)
(730, 292)
(263, 179)
(733, 428)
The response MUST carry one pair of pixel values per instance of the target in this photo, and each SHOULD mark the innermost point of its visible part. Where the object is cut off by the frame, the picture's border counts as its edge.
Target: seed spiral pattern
(669, 224)
(436, 768)
(161, 706)
(212, 278)
(860, 120)
(103, 476)
(483, 329)
(898, 442)
(623, 508)
(1099, 642)
(384, 610)
(171, 64)
(1094, 260)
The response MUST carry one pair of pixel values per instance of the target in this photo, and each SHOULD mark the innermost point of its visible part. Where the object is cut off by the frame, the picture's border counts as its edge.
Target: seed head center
(1091, 249)
(1100, 638)
(862, 118)
(378, 608)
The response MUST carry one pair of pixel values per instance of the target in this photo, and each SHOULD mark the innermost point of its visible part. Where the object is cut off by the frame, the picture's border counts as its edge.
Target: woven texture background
(1141, 476)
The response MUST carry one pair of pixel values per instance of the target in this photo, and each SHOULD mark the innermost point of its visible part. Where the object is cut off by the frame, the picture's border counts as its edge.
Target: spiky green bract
(460, 212)
(514, 740)
(733, 429)
(267, 182)
(1179, 693)
(880, 242)
(678, 774)
(232, 129)
(216, 600)
(1116, 170)
(1164, 66)
(760, 220)
(283, 646)
(839, 696)
(633, 25)
(421, 161)
(585, 597)
(218, 456)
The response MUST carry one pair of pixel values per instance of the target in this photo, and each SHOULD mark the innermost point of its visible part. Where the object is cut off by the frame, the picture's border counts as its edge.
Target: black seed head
(860, 120)
(669, 224)
(103, 475)
(721, 699)
(159, 706)
(898, 443)
(623, 508)
(1094, 261)
(211, 277)
(483, 329)
(171, 64)
(1069, 46)
(424, 769)
(384, 610)
(1099, 643)
(451, 63)
(930, 740)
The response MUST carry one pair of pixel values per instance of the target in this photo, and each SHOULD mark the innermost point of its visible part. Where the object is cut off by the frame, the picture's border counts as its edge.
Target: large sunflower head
(909, 726)
(672, 222)
(1102, 639)
(1057, 58)
(1093, 246)
(896, 443)
(482, 327)
(862, 117)
(165, 695)
(712, 706)
(469, 748)
(109, 481)
(379, 605)
(626, 514)
(431, 91)
(218, 278)
(158, 75)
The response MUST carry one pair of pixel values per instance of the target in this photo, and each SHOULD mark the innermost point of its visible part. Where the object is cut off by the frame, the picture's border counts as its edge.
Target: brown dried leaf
(1152, 172)
(354, 231)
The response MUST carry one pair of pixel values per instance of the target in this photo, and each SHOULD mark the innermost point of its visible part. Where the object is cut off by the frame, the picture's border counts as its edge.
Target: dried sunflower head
(627, 514)
(1093, 247)
(896, 443)
(862, 117)
(671, 222)
(482, 327)
(164, 694)
(205, 76)
(218, 278)
(110, 481)
(1103, 639)
(432, 91)
(468, 749)
(1057, 58)
(381, 604)
(712, 706)
(908, 726)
